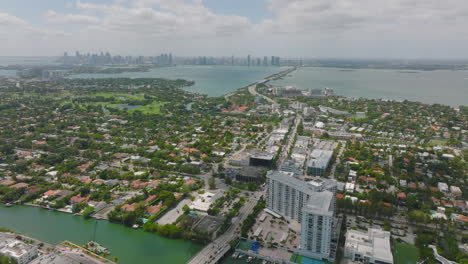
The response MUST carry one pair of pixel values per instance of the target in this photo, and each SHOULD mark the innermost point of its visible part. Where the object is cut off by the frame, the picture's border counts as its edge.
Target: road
(214, 251)
(337, 161)
(290, 140)
(253, 91)
(252, 88)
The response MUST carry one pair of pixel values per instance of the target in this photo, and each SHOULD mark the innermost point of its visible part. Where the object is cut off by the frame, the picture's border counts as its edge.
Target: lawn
(245, 245)
(405, 254)
(127, 96)
(121, 99)
(153, 108)
(438, 142)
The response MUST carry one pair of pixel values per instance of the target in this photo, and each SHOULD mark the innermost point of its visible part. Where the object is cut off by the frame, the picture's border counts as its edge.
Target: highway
(214, 251)
(252, 88)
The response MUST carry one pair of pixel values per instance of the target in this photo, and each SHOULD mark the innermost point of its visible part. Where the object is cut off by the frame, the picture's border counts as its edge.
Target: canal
(129, 245)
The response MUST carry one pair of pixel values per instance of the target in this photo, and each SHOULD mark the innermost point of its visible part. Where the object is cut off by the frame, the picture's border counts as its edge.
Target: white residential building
(443, 187)
(22, 253)
(204, 201)
(371, 247)
(288, 195)
(310, 203)
(317, 224)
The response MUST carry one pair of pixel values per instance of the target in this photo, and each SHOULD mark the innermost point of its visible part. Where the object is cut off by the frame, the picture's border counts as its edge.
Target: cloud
(325, 16)
(366, 28)
(11, 25)
(174, 18)
(7, 20)
(57, 18)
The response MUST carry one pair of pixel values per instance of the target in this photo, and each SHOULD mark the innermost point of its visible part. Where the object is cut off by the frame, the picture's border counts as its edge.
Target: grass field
(436, 142)
(405, 254)
(245, 245)
(122, 99)
(127, 96)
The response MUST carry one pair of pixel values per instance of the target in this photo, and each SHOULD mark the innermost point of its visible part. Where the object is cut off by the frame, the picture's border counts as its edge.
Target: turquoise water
(129, 245)
(210, 80)
(445, 87)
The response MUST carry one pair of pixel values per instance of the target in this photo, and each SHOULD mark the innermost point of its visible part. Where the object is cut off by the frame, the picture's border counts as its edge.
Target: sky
(288, 28)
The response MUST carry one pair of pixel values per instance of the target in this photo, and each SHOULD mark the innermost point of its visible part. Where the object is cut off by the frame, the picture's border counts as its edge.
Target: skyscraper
(288, 195)
(248, 60)
(317, 223)
(310, 203)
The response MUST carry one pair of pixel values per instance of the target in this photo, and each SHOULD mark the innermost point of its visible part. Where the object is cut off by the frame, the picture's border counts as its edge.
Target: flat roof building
(250, 174)
(318, 162)
(317, 225)
(310, 203)
(204, 201)
(22, 253)
(263, 159)
(371, 247)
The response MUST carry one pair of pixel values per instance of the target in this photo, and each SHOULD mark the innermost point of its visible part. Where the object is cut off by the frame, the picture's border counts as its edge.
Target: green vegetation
(7, 260)
(250, 220)
(405, 254)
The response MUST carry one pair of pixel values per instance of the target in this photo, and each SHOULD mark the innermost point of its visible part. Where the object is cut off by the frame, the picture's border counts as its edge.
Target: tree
(212, 183)
(228, 180)
(186, 209)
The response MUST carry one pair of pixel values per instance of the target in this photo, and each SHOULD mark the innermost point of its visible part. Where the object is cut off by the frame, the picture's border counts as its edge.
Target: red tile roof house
(19, 185)
(32, 189)
(78, 199)
(151, 198)
(137, 184)
(462, 218)
(190, 182)
(154, 184)
(447, 204)
(129, 207)
(152, 210)
(461, 205)
(7, 182)
(401, 195)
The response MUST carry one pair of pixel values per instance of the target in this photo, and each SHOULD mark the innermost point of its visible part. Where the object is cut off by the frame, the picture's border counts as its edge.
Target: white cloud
(57, 18)
(7, 20)
(293, 28)
(175, 18)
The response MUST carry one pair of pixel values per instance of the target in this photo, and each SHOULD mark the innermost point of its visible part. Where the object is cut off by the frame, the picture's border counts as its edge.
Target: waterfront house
(129, 207)
(152, 210)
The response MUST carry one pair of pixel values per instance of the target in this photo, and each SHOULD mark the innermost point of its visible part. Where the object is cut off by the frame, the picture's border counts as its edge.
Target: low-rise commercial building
(372, 247)
(262, 159)
(318, 162)
(22, 253)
